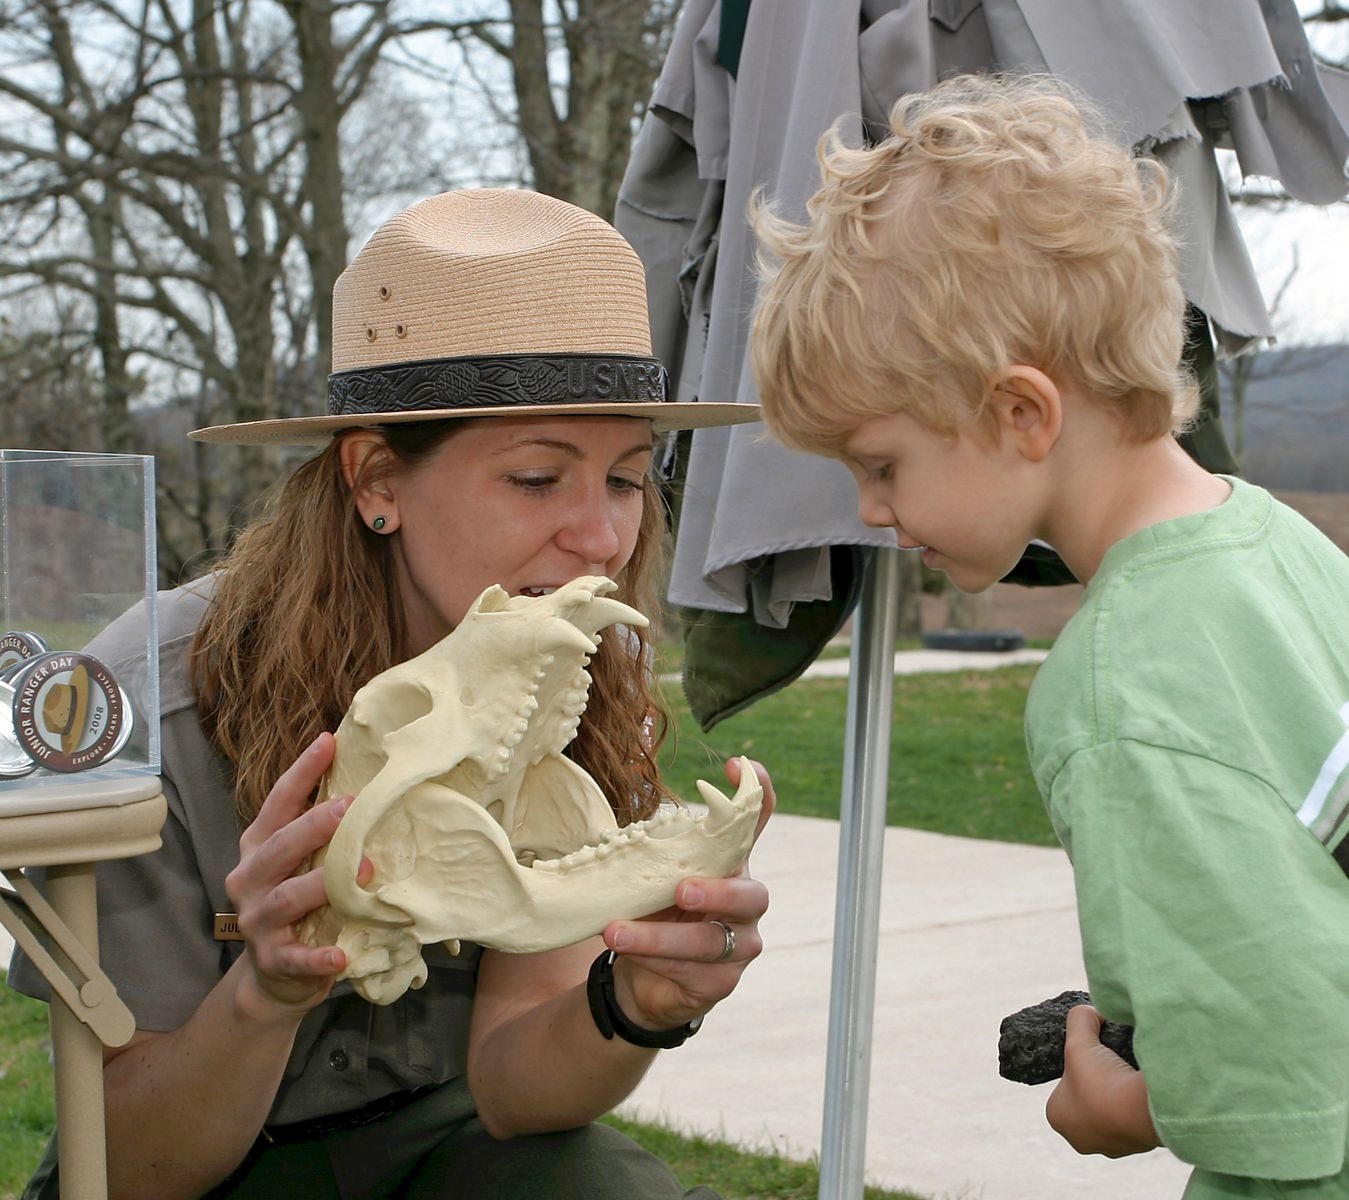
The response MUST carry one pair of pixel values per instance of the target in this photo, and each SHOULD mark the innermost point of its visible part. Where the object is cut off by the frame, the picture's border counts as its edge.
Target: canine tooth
(605, 612)
(577, 641)
(720, 810)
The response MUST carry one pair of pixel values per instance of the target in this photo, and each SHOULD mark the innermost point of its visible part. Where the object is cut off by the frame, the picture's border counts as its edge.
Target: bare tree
(579, 84)
(49, 382)
(1241, 373)
(187, 174)
(1329, 12)
(177, 165)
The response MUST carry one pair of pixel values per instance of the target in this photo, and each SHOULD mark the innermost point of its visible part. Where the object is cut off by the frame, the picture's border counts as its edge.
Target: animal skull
(478, 828)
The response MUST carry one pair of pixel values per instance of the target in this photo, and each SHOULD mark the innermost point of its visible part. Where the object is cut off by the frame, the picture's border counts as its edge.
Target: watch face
(68, 712)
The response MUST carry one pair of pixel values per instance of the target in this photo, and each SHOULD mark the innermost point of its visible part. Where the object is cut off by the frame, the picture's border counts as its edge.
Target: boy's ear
(1028, 407)
(357, 453)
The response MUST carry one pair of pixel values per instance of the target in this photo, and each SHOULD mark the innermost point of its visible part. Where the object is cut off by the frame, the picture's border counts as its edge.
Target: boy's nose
(873, 512)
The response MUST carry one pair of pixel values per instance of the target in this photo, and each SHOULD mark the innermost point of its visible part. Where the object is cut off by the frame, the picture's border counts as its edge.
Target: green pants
(436, 1149)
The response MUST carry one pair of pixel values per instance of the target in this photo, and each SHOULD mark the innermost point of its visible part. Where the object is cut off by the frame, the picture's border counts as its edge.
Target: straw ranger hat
(490, 302)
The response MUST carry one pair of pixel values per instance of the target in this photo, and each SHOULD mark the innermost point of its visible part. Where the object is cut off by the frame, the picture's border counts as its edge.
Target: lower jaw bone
(468, 886)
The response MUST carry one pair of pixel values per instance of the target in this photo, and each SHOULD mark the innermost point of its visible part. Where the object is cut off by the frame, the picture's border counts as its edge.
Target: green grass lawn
(957, 766)
(25, 1088)
(957, 753)
(738, 1174)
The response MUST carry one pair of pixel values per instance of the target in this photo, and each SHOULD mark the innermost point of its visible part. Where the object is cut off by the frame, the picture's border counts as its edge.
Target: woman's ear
(1028, 408)
(359, 454)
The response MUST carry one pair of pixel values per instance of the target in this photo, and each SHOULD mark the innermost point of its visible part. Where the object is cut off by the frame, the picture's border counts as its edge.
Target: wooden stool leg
(77, 1051)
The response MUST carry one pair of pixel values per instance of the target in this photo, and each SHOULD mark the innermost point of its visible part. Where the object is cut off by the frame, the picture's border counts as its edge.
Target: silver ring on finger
(729, 933)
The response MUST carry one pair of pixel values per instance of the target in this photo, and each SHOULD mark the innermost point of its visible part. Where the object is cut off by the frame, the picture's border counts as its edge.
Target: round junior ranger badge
(16, 646)
(69, 713)
(14, 760)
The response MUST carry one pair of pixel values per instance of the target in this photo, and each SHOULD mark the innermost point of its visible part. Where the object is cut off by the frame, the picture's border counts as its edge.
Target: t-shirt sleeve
(1219, 927)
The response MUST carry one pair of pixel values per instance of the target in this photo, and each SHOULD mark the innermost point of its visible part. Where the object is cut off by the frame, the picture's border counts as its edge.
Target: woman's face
(529, 504)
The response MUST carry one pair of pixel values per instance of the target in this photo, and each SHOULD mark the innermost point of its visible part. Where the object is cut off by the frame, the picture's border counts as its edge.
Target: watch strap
(610, 1019)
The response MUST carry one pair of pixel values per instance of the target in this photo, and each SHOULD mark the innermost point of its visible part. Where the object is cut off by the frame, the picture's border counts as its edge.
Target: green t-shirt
(1188, 733)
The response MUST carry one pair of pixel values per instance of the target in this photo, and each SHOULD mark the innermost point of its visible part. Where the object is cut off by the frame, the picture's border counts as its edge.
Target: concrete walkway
(919, 662)
(969, 932)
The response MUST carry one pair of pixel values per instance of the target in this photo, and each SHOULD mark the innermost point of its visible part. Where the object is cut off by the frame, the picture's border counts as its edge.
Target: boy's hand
(1100, 1106)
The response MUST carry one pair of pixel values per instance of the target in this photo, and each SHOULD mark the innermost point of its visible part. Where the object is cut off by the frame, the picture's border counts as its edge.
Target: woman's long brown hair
(306, 611)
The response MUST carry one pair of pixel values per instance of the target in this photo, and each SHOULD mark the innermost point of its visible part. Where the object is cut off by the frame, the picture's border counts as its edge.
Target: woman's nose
(592, 532)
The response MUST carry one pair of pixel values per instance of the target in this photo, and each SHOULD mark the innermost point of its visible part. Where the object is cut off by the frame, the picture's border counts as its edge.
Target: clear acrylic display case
(77, 551)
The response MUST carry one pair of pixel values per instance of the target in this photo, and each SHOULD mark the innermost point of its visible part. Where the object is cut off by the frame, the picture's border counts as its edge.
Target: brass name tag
(227, 928)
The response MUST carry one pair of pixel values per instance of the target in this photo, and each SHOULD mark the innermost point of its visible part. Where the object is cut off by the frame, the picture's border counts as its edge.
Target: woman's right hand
(273, 888)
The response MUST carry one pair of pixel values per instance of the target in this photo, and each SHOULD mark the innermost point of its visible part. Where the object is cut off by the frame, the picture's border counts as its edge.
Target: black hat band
(498, 382)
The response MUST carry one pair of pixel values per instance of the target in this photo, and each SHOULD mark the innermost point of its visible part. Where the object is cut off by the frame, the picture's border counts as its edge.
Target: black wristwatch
(610, 1019)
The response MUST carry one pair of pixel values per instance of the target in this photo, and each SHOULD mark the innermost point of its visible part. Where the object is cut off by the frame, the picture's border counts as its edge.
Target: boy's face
(959, 498)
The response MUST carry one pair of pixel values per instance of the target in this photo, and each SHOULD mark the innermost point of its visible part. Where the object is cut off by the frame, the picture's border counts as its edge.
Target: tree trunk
(964, 611)
(909, 626)
(325, 236)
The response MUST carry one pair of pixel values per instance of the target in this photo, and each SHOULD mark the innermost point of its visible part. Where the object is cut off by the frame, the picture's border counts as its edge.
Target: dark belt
(317, 1127)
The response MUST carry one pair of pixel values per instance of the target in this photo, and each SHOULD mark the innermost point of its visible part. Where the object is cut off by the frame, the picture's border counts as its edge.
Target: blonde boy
(982, 318)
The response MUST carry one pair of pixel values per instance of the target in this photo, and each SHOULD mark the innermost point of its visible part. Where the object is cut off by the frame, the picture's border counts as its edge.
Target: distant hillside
(1297, 419)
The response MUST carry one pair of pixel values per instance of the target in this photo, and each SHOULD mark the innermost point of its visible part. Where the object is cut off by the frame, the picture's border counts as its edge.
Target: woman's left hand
(676, 964)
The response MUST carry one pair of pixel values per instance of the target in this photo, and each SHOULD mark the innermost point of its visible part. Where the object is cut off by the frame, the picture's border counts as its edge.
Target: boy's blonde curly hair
(991, 228)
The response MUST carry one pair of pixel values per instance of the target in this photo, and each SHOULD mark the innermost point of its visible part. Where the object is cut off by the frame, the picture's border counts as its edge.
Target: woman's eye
(622, 484)
(532, 483)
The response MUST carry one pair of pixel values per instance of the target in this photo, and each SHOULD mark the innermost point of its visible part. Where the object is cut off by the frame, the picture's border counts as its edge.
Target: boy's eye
(871, 470)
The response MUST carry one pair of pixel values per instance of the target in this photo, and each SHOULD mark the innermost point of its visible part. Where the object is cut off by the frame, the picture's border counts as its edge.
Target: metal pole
(866, 764)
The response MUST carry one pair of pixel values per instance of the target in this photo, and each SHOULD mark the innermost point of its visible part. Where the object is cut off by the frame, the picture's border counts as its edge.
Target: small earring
(378, 524)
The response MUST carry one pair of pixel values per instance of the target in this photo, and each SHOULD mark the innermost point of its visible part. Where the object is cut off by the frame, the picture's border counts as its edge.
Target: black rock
(1030, 1042)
